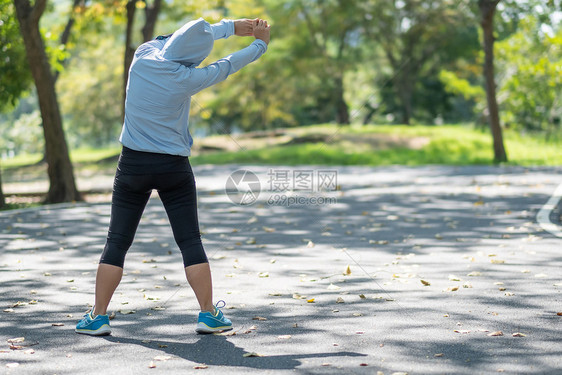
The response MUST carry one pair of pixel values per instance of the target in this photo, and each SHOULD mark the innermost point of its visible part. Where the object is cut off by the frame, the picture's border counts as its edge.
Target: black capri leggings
(138, 173)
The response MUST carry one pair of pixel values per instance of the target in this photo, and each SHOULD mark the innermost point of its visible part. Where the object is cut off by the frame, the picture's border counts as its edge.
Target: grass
(82, 155)
(448, 145)
(349, 145)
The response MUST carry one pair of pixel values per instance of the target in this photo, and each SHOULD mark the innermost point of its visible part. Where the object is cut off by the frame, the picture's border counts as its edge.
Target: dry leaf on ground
(496, 333)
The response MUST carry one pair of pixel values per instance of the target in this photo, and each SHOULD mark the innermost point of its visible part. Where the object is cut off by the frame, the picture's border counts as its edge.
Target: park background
(354, 82)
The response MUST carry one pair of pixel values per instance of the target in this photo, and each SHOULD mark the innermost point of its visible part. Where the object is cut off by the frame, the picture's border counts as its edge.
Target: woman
(156, 146)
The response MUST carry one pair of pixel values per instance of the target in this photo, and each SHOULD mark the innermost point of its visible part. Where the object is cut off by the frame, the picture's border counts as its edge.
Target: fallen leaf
(310, 244)
(363, 364)
(475, 273)
(497, 261)
(326, 364)
(347, 271)
(57, 324)
(559, 313)
(438, 355)
(251, 241)
(275, 294)
(333, 287)
(399, 373)
(298, 296)
(496, 333)
(252, 354)
(359, 332)
(310, 300)
(126, 312)
(426, 283)
(29, 351)
(340, 300)
(284, 337)
(268, 229)
(454, 278)
(357, 314)
(263, 274)
(362, 296)
(462, 331)
(227, 333)
(16, 340)
(200, 367)
(162, 346)
(452, 289)
(8, 310)
(158, 308)
(260, 318)
(151, 365)
(519, 334)
(12, 365)
(112, 315)
(162, 358)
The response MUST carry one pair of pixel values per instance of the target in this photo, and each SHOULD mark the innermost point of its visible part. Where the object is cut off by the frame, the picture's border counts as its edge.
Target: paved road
(469, 233)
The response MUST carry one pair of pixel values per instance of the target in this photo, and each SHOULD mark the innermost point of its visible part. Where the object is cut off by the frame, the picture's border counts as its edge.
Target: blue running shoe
(209, 322)
(98, 326)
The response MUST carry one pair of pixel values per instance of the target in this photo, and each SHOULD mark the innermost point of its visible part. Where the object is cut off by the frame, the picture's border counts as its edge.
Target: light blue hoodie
(163, 77)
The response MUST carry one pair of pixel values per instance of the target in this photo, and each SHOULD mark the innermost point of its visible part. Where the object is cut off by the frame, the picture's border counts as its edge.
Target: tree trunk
(487, 10)
(405, 90)
(151, 15)
(2, 200)
(342, 111)
(65, 36)
(61, 176)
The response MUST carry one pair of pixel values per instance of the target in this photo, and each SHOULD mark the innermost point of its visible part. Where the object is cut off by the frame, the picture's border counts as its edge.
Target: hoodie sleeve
(200, 78)
(223, 29)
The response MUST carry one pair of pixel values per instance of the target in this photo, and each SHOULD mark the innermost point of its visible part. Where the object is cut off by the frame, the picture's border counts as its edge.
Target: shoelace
(217, 307)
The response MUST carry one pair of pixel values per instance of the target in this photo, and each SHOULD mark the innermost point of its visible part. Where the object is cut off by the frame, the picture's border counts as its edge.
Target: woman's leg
(199, 277)
(179, 197)
(130, 195)
(107, 280)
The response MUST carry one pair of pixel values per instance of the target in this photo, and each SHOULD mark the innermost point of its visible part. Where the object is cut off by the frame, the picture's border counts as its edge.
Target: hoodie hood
(191, 44)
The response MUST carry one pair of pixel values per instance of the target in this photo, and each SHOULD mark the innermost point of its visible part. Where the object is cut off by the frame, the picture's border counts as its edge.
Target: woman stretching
(156, 146)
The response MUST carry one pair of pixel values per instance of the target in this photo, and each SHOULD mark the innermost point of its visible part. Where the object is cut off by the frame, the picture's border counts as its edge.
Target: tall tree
(487, 11)
(15, 78)
(413, 35)
(59, 168)
(324, 35)
(151, 12)
(2, 200)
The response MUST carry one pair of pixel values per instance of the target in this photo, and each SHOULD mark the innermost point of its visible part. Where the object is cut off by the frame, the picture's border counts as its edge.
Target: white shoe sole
(203, 328)
(102, 331)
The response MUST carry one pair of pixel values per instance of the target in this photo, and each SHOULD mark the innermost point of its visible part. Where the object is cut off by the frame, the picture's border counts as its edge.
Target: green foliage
(15, 77)
(531, 89)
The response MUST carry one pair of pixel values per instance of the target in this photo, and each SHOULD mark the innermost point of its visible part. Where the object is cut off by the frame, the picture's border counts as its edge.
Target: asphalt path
(425, 270)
